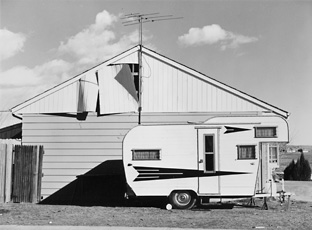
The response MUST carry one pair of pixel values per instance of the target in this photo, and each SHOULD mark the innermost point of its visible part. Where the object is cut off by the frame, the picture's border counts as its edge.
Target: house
(82, 122)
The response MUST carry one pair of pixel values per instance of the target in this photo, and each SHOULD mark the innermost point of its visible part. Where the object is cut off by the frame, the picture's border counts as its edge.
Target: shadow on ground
(104, 185)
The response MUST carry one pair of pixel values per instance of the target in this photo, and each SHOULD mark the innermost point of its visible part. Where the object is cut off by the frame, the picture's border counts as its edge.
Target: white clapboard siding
(63, 172)
(82, 152)
(70, 165)
(59, 178)
(54, 185)
(86, 158)
(78, 145)
(76, 126)
(80, 132)
(73, 139)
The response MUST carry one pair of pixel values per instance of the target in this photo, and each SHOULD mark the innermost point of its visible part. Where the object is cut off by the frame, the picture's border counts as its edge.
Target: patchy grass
(298, 216)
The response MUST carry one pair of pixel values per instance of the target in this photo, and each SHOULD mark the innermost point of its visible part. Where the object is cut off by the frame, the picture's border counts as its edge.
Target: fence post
(34, 162)
(40, 159)
(3, 154)
(9, 166)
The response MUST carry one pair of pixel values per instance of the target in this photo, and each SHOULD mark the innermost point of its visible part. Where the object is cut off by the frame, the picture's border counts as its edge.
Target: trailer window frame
(265, 131)
(274, 155)
(209, 153)
(146, 154)
(246, 156)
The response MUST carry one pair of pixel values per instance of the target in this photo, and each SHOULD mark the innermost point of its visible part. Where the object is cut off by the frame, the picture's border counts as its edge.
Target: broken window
(134, 68)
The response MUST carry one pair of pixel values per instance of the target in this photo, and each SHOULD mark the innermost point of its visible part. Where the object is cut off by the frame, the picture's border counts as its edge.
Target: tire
(182, 199)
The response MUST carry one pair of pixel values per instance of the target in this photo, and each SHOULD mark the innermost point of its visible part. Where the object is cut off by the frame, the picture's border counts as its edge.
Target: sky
(263, 48)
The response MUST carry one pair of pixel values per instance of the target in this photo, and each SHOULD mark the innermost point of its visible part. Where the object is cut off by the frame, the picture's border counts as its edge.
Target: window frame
(254, 149)
(213, 153)
(266, 127)
(270, 154)
(146, 150)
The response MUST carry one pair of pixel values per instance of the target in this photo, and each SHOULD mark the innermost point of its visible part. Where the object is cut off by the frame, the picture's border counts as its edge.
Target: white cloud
(48, 73)
(21, 83)
(97, 42)
(214, 34)
(10, 43)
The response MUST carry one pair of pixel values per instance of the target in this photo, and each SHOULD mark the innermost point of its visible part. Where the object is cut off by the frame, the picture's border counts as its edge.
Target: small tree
(305, 169)
(300, 170)
(288, 172)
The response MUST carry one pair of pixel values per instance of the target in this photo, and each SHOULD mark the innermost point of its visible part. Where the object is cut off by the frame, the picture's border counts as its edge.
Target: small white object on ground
(168, 206)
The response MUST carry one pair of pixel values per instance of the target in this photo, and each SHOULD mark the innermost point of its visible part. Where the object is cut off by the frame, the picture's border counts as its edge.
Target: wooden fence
(20, 172)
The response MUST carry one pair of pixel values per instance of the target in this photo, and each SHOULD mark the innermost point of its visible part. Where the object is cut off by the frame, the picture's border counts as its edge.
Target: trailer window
(265, 132)
(246, 152)
(145, 154)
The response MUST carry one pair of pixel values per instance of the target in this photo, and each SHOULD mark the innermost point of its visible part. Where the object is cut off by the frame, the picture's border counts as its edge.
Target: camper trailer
(223, 157)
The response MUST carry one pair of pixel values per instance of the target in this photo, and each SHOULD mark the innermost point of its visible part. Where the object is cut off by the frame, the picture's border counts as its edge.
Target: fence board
(3, 148)
(39, 181)
(9, 166)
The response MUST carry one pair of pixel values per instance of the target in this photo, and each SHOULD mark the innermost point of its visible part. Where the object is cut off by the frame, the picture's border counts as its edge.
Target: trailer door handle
(200, 161)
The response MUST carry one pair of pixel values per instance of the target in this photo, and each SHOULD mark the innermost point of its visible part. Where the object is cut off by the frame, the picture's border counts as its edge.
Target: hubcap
(183, 198)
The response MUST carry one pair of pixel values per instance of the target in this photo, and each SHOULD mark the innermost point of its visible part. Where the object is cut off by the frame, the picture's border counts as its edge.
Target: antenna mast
(137, 18)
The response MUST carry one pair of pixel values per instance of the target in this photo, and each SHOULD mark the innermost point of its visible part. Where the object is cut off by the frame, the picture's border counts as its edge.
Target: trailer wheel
(182, 199)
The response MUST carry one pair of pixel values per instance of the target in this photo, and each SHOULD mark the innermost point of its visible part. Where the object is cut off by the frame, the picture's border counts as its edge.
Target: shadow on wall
(104, 185)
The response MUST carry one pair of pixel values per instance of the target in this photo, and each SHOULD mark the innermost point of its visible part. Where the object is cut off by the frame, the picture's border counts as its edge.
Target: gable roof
(168, 86)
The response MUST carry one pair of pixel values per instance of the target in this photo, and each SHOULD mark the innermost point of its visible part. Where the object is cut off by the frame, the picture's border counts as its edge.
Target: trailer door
(208, 160)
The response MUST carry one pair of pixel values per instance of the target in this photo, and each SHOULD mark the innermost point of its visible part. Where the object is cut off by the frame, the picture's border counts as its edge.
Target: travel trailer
(223, 157)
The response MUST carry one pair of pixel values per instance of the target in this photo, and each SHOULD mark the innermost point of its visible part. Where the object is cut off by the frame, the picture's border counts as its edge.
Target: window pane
(265, 131)
(209, 144)
(273, 154)
(246, 152)
(146, 154)
(209, 161)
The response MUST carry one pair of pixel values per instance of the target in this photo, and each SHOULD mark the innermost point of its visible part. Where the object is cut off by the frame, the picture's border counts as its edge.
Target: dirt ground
(234, 215)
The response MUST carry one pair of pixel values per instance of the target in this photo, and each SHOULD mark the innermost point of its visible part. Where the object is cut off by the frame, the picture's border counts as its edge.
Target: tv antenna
(139, 19)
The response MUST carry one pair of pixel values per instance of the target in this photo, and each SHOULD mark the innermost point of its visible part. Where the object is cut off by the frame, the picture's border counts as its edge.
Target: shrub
(300, 170)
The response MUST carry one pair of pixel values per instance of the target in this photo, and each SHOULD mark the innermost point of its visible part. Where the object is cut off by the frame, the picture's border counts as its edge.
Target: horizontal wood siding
(75, 147)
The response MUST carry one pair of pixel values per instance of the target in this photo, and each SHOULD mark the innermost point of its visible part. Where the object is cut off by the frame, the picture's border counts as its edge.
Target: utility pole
(134, 19)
